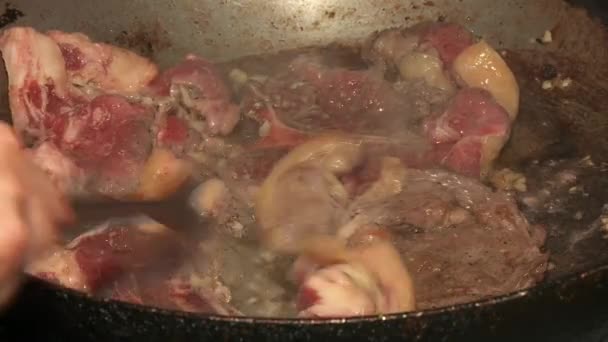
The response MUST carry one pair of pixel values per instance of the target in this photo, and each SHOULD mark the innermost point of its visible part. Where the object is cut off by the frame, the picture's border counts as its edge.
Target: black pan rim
(532, 291)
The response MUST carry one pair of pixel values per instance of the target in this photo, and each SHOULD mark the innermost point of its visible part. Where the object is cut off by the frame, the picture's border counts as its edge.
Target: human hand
(31, 210)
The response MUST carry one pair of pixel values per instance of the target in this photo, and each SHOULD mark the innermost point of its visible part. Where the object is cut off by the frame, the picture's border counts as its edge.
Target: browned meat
(468, 243)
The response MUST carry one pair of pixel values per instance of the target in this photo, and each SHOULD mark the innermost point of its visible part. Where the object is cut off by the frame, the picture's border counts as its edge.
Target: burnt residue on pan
(145, 39)
(10, 15)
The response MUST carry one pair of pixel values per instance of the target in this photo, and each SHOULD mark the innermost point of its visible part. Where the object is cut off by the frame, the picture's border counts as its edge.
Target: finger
(8, 138)
(13, 244)
(56, 203)
(43, 226)
(53, 199)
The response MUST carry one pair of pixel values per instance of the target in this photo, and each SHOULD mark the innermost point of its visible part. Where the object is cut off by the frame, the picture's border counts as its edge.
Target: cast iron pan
(573, 306)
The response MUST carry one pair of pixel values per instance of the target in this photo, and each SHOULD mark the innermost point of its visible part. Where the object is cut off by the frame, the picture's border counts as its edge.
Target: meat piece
(474, 127)
(135, 260)
(278, 134)
(65, 97)
(116, 248)
(428, 67)
(162, 175)
(210, 198)
(481, 66)
(104, 66)
(203, 90)
(68, 177)
(390, 47)
(387, 48)
(58, 266)
(466, 138)
(36, 77)
(374, 249)
(450, 40)
(340, 290)
(110, 140)
(302, 197)
(358, 284)
(174, 133)
(389, 180)
(345, 91)
(357, 101)
(461, 240)
(171, 292)
(312, 98)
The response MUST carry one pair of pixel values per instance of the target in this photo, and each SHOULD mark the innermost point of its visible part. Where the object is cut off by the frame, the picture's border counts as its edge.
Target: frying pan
(573, 300)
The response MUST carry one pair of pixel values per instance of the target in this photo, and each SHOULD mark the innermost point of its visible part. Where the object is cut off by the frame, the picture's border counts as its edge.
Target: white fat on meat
(59, 267)
(31, 58)
(425, 66)
(302, 196)
(481, 66)
(102, 65)
(162, 175)
(341, 290)
(413, 60)
(210, 198)
(366, 277)
(393, 45)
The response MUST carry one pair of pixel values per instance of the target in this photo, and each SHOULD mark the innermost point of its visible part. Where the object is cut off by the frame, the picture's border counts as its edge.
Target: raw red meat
(460, 137)
(112, 250)
(345, 93)
(98, 257)
(105, 66)
(135, 260)
(313, 97)
(116, 250)
(463, 130)
(279, 134)
(89, 104)
(448, 39)
(169, 291)
(206, 92)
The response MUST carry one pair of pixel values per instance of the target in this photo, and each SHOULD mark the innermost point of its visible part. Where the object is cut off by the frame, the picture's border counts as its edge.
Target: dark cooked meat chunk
(460, 240)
